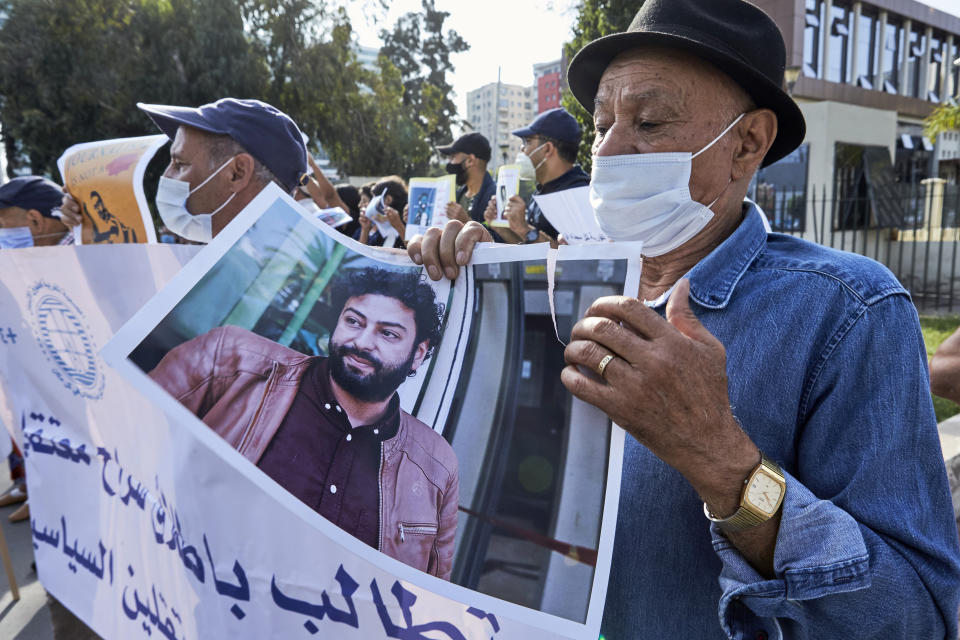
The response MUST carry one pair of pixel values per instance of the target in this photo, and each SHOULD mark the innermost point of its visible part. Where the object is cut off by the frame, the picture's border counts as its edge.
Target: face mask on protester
(460, 171)
(311, 207)
(646, 196)
(172, 195)
(527, 170)
(16, 238)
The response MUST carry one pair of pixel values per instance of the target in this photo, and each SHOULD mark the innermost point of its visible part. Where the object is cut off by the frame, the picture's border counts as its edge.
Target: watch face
(764, 493)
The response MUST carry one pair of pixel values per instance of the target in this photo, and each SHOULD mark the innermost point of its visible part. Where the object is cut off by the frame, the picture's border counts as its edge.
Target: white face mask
(172, 195)
(309, 206)
(16, 238)
(527, 170)
(646, 196)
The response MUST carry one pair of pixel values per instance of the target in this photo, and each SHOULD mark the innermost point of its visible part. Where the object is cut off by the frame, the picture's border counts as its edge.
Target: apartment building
(495, 110)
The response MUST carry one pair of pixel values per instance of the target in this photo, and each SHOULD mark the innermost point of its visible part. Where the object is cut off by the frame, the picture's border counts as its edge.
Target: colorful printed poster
(106, 179)
(149, 520)
(428, 203)
(508, 184)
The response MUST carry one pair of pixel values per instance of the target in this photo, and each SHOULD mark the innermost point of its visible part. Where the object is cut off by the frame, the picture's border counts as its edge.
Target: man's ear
(241, 171)
(758, 131)
(420, 355)
(35, 220)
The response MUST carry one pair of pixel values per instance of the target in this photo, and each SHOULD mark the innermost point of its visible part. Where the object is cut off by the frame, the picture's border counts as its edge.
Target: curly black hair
(409, 287)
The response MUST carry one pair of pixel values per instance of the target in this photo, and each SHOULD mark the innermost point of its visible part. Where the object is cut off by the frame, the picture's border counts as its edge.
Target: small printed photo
(422, 203)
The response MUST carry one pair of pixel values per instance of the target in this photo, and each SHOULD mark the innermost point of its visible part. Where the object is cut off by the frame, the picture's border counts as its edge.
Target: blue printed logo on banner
(61, 331)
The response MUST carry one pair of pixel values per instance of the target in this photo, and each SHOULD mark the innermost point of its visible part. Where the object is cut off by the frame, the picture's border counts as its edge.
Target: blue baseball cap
(267, 133)
(32, 192)
(554, 123)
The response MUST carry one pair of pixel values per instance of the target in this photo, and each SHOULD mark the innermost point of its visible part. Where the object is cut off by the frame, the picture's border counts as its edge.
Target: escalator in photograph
(532, 459)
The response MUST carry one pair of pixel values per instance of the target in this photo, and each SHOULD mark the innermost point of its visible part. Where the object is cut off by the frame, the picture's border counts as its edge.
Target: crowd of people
(783, 477)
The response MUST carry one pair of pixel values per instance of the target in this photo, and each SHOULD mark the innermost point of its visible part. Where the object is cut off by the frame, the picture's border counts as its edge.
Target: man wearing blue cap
(30, 214)
(548, 155)
(223, 154)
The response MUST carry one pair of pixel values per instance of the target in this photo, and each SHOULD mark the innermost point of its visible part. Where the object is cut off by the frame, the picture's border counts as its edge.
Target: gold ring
(603, 364)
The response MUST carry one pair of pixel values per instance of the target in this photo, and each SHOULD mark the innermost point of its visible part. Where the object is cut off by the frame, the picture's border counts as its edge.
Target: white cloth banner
(144, 521)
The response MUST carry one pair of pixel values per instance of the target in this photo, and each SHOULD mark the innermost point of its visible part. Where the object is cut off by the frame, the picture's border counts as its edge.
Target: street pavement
(29, 617)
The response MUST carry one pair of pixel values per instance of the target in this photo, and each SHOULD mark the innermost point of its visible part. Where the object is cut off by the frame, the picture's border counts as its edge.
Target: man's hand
(444, 252)
(667, 386)
(70, 210)
(490, 213)
(516, 214)
(456, 212)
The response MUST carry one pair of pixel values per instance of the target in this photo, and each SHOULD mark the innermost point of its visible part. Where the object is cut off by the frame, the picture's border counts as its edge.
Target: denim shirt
(828, 375)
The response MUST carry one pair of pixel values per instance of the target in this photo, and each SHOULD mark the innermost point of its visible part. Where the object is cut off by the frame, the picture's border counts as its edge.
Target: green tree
(420, 49)
(944, 118)
(595, 19)
(72, 71)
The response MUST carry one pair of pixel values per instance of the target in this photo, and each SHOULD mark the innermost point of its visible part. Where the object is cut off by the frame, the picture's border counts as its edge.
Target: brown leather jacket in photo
(242, 385)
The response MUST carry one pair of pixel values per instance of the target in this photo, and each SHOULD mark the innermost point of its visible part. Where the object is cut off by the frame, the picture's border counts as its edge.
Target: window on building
(892, 54)
(916, 48)
(868, 34)
(841, 43)
(935, 68)
(954, 70)
(811, 38)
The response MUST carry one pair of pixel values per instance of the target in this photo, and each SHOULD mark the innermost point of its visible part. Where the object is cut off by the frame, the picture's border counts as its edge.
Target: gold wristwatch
(762, 496)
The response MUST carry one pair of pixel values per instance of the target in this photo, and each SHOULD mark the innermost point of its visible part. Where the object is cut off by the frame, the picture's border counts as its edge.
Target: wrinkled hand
(444, 252)
(393, 217)
(516, 214)
(456, 212)
(667, 387)
(70, 210)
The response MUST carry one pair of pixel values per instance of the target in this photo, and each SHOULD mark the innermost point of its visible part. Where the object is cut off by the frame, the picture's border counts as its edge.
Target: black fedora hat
(735, 36)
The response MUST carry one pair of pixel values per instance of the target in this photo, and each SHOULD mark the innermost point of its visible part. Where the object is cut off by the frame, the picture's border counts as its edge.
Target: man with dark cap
(223, 154)
(784, 476)
(549, 156)
(30, 214)
(468, 158)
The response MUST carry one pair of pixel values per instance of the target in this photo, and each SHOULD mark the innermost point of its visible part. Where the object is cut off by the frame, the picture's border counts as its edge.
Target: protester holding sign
(785, 468)
(468, 157)
(222, 156)
(548, 155)
(30, 214)
(330, 430)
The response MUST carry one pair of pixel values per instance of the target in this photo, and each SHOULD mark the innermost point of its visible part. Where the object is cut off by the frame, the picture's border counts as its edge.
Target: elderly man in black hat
(784, 478)
(223, 154)
(549, 156)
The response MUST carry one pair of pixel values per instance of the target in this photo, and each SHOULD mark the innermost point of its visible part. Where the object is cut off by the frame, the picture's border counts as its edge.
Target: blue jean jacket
(828, 375)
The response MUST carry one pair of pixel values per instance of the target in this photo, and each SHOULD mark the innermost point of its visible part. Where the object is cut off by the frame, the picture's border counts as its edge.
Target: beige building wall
(516, 109)
(829, 123)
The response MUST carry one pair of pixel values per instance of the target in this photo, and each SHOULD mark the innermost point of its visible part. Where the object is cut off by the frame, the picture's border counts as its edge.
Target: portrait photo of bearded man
(330, 430)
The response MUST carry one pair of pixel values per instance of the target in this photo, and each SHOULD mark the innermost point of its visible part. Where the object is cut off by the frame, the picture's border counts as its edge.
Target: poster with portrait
(508, 184)
(428, 203)
(442, 453)
(106, 179)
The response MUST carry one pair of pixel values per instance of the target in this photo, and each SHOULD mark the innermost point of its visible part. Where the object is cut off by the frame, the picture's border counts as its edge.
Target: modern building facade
(547, 80)
(865, 74)
(495, 110)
